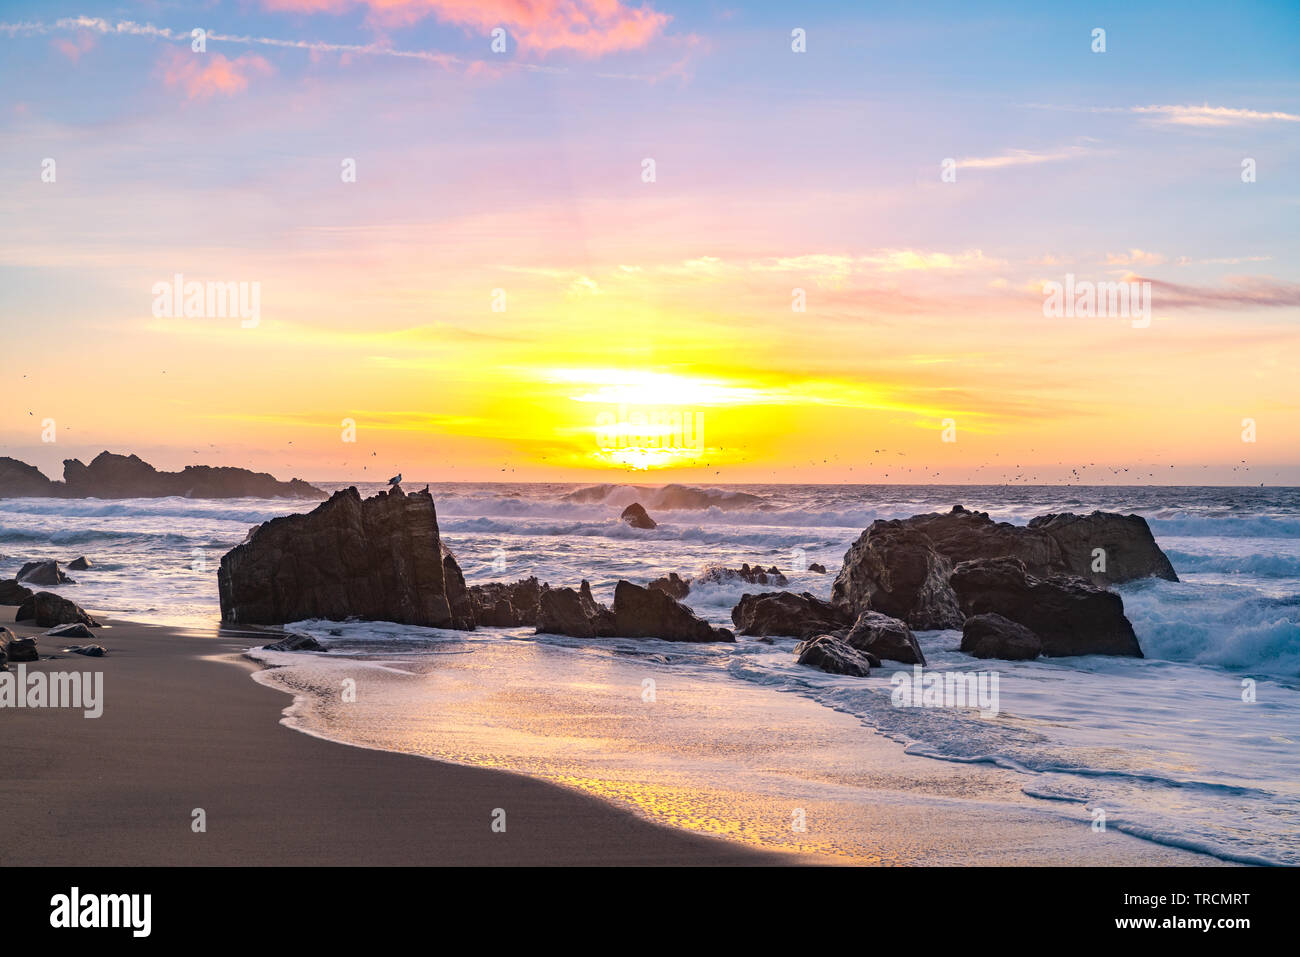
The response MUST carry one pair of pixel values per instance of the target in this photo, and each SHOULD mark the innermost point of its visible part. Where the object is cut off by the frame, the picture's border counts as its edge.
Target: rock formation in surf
(379, 559)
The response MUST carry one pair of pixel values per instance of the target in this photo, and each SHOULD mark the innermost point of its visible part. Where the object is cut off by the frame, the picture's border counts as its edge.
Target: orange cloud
(206, 74)
(592, 27)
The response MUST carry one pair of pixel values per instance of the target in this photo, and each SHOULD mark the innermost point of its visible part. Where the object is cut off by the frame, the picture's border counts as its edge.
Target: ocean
(1193, 747)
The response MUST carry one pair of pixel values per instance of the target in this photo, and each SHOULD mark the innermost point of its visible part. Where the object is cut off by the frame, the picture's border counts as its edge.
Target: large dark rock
(885, 637)
(649, 613)
(501, 605)
(563, 611)
(894, 568)
(20, 480)
(12, 593)
(785, 613)
(636, 516)
(379, 559)
(672, 585)
(1128, 549)
(992, 636)
(127, 476)
(45, 572)
(835, 656)
(1069, 615)
(48, 609)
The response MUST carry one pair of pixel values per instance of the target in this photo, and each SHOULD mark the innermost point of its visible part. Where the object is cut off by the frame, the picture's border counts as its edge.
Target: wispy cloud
(1240, 291)
(1183, 114)
(1021, 158)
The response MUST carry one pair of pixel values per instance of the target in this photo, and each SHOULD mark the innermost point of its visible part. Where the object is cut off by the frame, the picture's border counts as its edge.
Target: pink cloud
(591, 27)
(73, 48)
(206, 74)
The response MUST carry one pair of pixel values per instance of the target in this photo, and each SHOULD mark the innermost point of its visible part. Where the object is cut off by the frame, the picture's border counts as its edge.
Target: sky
(598, 240)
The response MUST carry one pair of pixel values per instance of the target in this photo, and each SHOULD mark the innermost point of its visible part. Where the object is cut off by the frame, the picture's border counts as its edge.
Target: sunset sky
(516, 180)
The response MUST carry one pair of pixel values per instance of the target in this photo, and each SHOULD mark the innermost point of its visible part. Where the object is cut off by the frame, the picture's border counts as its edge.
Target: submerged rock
(750, 574)
(1069, 615)
(379, 559)
(636, 516)
(992, 636)
(80, 564)
(885, 637)
(785, 613)
(835, 656)
(295, 642)
(48, 609)
(46, 572)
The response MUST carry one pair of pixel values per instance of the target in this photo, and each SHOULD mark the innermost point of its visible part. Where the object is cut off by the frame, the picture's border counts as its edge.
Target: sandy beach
(184, 726)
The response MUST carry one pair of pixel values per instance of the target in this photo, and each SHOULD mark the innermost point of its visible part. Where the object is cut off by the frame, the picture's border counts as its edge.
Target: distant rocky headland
(128, 476)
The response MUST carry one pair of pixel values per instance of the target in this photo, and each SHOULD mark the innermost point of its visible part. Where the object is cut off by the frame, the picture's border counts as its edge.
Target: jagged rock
(12, 593)
(1069, 615)
(673, 585)
(893, 568)
(817, 568)
(835, 656)
(784, 613)
(1129, 549)
(636, 516)
(48, 609)
(45, 572)
(127, 476)
(649, 613)
(20, 480)
(79, 564)
(74, 630)
(15, 649)
(295, 642)
(563, 611)
(499, 605)
(992, 636)
(380, 559)
(90, 651)
(458, 596)
(751, 574)
(885, 637)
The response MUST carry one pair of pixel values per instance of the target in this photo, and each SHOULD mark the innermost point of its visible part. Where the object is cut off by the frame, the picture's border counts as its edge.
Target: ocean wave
(1260, 564)
(666, 497)
(1225, 526)
(83, 536)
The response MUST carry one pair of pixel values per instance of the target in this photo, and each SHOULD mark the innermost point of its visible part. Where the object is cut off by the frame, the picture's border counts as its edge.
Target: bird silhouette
(395, 479)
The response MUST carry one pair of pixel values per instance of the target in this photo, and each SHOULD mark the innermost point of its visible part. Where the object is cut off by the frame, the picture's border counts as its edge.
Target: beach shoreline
(189, 728)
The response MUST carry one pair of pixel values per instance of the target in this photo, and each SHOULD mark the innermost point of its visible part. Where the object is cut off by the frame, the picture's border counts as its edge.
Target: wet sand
(185, 727)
